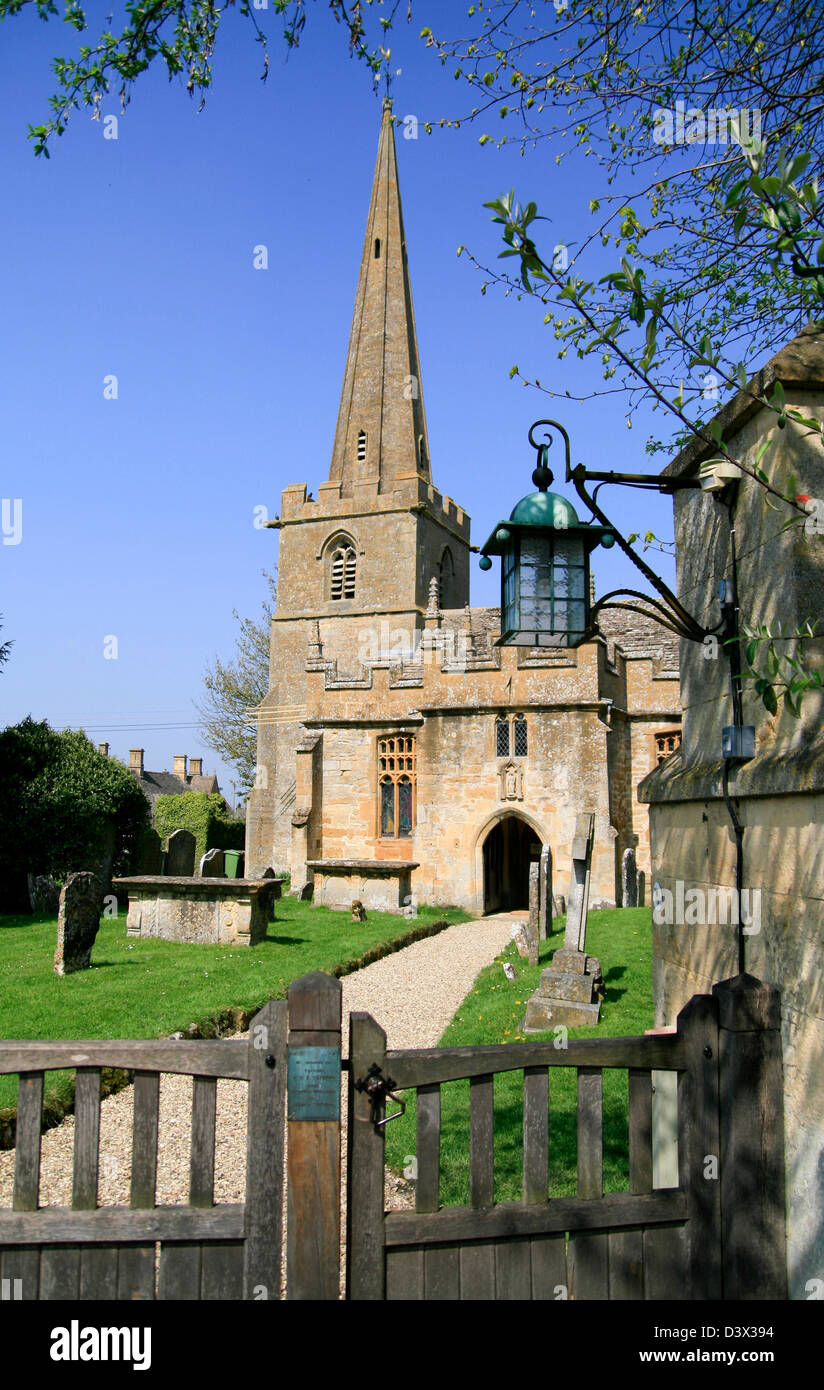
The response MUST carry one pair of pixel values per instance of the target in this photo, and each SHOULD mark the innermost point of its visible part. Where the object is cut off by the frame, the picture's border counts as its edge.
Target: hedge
(206, 815)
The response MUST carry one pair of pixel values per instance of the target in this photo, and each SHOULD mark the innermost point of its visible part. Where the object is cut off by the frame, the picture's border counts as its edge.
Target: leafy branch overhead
(182, 34)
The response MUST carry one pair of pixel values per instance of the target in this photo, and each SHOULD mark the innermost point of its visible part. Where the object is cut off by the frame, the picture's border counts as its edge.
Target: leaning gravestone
(44, 895)
(567, 991)
(180, 855)
(533, 922)
(545, 894)
(629, 879)
(212, 864)
(78, 921)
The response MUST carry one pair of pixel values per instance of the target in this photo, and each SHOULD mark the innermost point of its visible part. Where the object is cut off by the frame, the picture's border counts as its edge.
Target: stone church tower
(400, 752)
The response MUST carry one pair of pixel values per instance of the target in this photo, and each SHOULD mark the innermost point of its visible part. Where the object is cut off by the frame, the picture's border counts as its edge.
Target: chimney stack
(196, 767)
(136, 761)
(180, 765)
(104, 749)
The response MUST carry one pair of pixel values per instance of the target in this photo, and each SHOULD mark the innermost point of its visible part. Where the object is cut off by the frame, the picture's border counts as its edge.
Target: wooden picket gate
(205, 1251)
(718, 1235)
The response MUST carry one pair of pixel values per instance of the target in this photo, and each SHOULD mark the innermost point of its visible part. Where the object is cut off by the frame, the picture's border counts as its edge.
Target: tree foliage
(233, 689)
(5, 651)
(61, 801)
(182, 34)
(665, 100)
(206, 815)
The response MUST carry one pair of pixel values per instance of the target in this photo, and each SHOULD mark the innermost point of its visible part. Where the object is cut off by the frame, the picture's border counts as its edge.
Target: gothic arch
(446, 578)
(340, 556)
(489, 897)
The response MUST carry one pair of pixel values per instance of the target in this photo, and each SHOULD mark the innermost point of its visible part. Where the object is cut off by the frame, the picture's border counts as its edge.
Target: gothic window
(396, 777)
(446, 577)
(421, 454)
(502, 737)
(361, 446)
(519, 727)
(377, 248)
(343, 570)
(666, 743)
(511, 734)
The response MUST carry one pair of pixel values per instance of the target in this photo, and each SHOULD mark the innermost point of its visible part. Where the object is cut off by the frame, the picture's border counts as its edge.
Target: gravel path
(413, 994)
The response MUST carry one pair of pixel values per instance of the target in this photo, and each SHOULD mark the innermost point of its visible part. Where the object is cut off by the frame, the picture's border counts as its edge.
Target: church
(404, 757)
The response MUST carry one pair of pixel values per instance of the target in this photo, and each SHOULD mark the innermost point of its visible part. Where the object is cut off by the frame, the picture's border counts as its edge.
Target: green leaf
(770, 700)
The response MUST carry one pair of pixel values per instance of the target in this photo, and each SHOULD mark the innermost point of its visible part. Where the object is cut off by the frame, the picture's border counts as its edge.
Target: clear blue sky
(134, 257)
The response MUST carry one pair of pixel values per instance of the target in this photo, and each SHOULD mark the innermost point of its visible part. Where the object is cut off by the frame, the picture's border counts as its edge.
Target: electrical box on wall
(738, 742)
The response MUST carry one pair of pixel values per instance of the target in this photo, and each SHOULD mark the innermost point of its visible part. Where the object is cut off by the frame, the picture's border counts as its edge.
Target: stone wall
(779, 794)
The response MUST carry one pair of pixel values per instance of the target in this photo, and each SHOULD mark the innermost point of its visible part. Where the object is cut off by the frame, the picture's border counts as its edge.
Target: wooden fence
(205, 1251)
(718, 1235)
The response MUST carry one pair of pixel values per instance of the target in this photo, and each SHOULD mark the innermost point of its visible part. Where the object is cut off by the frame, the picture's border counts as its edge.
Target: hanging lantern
(544, 550)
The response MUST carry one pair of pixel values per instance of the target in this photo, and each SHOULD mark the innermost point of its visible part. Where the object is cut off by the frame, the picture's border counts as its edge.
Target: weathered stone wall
(779, 794)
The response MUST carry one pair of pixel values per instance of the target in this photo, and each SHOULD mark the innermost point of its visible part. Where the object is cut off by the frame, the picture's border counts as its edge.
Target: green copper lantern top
(545, 509)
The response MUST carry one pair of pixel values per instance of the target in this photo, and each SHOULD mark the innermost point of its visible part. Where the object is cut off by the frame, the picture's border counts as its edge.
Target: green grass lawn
(148, 988)
(492, 1013)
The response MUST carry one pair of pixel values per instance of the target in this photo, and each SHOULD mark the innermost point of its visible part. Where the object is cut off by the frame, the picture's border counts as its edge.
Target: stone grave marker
(545, 894)
(150, 862)
(212, 864)
(44, 895)
(533, 921)
(78, 921)
(180, 855)
(629, 879)
(567, 991)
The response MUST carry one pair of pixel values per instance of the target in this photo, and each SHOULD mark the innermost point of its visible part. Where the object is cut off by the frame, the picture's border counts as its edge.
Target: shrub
(206, 815)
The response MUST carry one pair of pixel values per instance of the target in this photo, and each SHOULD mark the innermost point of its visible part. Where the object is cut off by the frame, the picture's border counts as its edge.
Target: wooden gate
(143, 1251)
(718, 1234)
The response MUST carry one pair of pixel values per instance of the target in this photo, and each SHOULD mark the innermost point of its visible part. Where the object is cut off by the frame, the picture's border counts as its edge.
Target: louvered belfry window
(344, 566)
(361, 446)
(397, 777)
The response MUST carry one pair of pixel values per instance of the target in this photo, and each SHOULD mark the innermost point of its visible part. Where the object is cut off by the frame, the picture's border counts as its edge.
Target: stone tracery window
(665, 743)
(446, 579)
(397, 781)
(343, 570)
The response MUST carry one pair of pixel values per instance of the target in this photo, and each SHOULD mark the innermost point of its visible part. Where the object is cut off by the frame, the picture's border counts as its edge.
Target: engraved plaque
(314, 1083)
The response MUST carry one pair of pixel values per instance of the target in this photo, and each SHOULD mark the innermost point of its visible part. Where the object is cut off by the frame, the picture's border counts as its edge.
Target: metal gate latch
(377, 1087)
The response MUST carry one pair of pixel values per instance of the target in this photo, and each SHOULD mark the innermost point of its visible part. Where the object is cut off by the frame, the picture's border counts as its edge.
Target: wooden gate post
(313, 1138)
(699, 1147)
(752, 1140)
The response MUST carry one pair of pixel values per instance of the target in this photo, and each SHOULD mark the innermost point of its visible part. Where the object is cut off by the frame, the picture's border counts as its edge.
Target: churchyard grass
(149, 988)
(492, 1013)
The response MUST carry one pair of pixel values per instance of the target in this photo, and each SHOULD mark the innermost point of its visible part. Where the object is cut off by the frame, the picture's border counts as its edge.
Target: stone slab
(202, 911)
(542, 1014)
(555, 984)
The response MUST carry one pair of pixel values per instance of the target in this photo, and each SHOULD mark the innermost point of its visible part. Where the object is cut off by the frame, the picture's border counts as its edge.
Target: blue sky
(134, 258)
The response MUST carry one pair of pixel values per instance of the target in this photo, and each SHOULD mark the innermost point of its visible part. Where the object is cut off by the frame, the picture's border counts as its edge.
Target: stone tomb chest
(384, 885)
(207, 911)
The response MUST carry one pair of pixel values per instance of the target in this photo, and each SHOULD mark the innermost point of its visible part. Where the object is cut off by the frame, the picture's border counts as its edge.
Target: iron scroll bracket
(378, 1087)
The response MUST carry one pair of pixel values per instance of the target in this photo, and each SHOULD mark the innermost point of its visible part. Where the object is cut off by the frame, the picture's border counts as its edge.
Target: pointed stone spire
(381, 430)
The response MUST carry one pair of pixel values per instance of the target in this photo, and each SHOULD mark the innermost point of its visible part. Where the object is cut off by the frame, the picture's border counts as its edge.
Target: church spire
(381, 430)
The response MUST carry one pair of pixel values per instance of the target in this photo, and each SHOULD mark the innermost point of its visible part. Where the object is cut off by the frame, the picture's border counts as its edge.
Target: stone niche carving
(511, 779)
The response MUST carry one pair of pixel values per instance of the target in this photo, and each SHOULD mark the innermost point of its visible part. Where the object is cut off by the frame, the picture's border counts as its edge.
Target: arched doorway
(509, 848)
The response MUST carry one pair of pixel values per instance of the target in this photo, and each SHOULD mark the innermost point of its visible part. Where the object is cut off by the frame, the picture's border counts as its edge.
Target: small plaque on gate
(313, 1083)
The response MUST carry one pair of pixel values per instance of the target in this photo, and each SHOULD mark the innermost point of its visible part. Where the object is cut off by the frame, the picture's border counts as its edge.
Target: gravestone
(44, 895)
(567, 991)
(629, 879)
(212, 864)
(533, 921)
(519, 936)
(642, 888)
(179, 861)
(545, 894)
(78, 921)
(150, 861)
